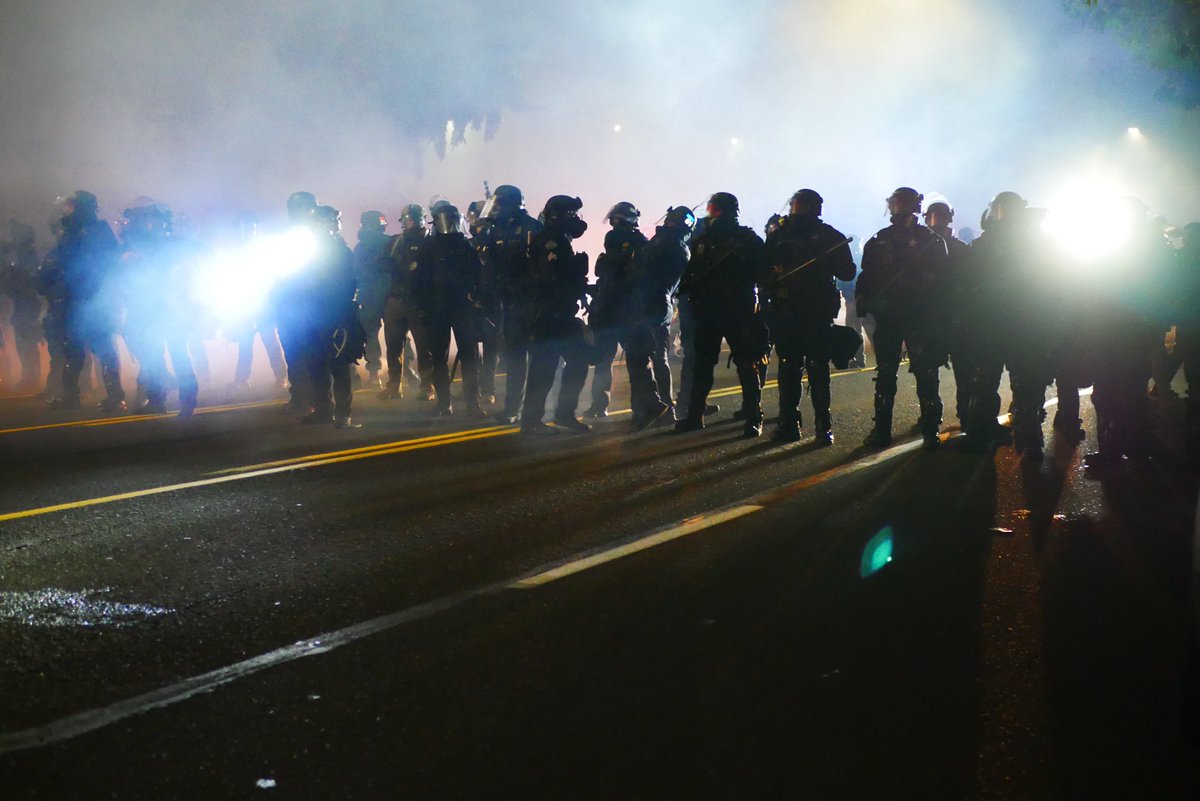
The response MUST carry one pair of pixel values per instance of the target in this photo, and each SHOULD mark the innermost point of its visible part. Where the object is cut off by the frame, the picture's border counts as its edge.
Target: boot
(823, 429)
(787, 431)
(930, 422)
(753, 426)
(881, 432)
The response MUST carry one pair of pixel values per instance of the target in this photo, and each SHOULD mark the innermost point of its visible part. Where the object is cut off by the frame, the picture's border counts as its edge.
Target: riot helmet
(436, 204)
(905, 200)
(372, 220)
(562, 212)
(300, 206)
(77, 209)
(506, 200)
(723, 204)
(1191, 236)
(939, 215)
(447, 219)
(145, 223)
(623, 213)
(328, 219)
(412, 216)
(772, 225)
(680, 218)
(1005, 208)
(806, 202)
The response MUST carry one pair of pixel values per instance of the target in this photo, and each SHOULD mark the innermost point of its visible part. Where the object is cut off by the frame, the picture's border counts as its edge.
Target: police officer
(156, 285)
(939, 217)
(508, 278)
(557, 290)
(653, 279)
(334, 338)
(399, 317)
(1008, 305)
(259, 320)
(87, 253)
(903, 285)
(609, 311)
(721, 282)
(1187, 334)
(805, 255)
(444, 282)
(373, 285)
(18, 280)
(287, 300)
(487, 299)
(1132, 324)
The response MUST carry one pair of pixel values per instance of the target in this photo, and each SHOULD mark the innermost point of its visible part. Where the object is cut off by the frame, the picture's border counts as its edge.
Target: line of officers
(515, 286)
(95, 287)
(511, 288)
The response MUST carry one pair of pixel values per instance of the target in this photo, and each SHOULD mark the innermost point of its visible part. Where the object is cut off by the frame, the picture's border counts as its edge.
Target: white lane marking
(84, 722)
(688, 526)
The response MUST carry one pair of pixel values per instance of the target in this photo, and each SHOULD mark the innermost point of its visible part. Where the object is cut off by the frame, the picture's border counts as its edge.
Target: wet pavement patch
(57, 608)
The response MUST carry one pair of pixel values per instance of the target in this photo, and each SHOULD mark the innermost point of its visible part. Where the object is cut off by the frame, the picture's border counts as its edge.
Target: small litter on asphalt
(1002, 532)
(265, 784)
(314, 697)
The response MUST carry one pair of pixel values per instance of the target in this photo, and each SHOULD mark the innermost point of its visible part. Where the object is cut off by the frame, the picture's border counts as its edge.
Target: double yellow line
(137, 418)
(280, 466)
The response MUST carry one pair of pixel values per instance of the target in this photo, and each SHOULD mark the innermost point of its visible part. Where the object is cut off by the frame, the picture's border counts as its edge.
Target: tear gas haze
(221, 107)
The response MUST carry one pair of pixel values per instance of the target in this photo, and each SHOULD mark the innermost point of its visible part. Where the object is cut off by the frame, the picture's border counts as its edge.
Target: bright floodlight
(734, 141)
(1135, 133)
(1089, 222)
(237, 282)
(617, 128)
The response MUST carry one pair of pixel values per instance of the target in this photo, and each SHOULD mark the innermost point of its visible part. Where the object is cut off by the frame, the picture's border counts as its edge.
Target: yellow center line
(443, 439)
(208, 482)
(136, 418)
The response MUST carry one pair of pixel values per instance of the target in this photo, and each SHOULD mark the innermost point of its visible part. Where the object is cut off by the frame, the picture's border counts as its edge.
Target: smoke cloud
(219, 107)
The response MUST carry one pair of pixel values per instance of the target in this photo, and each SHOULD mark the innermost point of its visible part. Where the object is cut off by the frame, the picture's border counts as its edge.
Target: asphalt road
(236, 606)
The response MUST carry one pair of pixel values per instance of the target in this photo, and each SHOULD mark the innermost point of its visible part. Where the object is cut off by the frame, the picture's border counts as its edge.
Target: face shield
(447, 221)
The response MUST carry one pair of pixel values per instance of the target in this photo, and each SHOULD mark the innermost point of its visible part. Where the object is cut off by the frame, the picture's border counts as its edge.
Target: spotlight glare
(617, 128)
(734, 141)
(1089, 222)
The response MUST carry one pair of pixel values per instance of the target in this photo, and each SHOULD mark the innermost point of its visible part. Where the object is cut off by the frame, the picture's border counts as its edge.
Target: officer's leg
(660, 361)
(74, 352)
(103, 344)
(960, 364)
(371, 318)
(316, 359)
(705, 344)
(819, 393)
(243, 336)
(639, 344)
(543, 363)
(340, 372)
(748, 357)
(791, 386)
(185, 374)
(888, 341)
(602, 374)
(687, 344)
(468, 359)
(490, 340)
(574, 376)
(28, 338)
(291, 338)
(270, 340)
(928, 398)
(517, 355)
(436, 339)
(395, 334)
